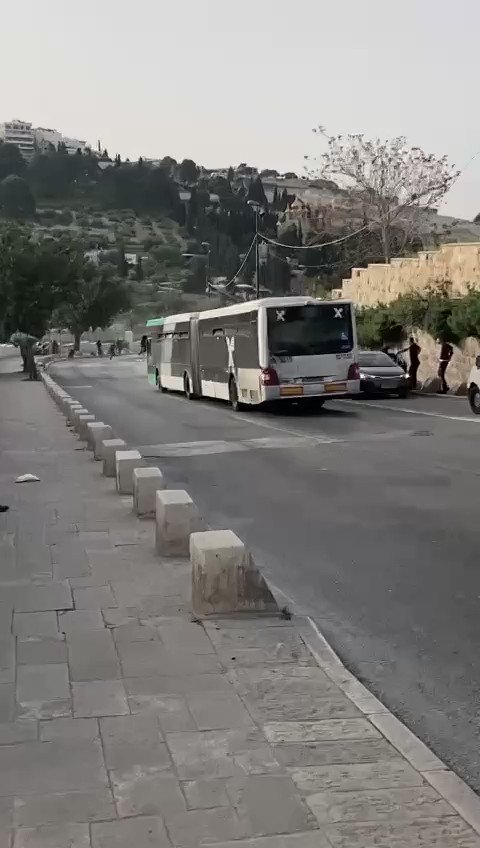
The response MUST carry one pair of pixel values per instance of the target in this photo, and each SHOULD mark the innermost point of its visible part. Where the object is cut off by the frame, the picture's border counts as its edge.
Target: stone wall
(458, 264)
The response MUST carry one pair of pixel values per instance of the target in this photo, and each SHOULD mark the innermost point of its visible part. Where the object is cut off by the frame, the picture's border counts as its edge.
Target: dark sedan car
(379, 374)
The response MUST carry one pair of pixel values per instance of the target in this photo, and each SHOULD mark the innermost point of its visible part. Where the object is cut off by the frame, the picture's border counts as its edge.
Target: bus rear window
(309, 330)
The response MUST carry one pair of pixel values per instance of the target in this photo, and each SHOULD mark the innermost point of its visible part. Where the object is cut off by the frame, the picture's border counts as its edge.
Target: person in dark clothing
(414, 351)
(446, 353)
(111, 350)
(99, 348)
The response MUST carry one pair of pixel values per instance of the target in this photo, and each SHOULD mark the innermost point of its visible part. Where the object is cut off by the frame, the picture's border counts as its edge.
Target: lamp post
(255, 205)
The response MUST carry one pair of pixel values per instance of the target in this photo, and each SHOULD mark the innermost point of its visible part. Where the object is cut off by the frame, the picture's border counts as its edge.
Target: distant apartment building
(44, 137)
(19, 133)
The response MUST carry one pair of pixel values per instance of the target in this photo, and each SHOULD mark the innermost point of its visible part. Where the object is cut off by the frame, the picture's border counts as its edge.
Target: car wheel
(474, 399)
(233, 395)
(187, 388)
(403, 393)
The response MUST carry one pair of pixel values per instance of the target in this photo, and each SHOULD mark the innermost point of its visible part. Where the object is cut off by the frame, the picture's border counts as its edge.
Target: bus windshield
(309, 330)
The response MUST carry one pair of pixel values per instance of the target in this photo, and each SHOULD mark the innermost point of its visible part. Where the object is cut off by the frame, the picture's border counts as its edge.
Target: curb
(449, 785)
(435, 772)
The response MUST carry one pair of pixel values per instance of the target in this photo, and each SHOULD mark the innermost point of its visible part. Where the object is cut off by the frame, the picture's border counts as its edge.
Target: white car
(473, 387)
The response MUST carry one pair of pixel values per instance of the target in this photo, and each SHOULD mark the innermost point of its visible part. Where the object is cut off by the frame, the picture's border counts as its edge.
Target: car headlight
(363, 376)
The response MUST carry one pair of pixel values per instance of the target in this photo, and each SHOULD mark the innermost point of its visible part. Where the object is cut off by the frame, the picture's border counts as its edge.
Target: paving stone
(177, 685)
(27, 624)
(171, 711)
(134, 632)
(325, 753)
(269, 804)
(145, 832)
(95, 540)
(18, 731)
(182, 635)
(6, 822)
(220, 753)
(92, 656)
(93, 805)
(7, 659)
(119, 616)
(346, 778)
(60, 766)
(44, 709)
(217, 710)
(381, 805)
(448, 832)
(58, 729)
(42, 683)
(197, 827)
(318, 731)
(41, 651)
(80, 620)
(99, 698)
(141, 659)
(133, 741)
(307, 707)
(146, 793)
(314, 839)
(70, 568)
(56, 596)
(98, 597)
(53, 836)
(205, 794)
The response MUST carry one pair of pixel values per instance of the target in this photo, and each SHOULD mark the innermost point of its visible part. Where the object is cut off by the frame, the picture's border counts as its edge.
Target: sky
(225, 82)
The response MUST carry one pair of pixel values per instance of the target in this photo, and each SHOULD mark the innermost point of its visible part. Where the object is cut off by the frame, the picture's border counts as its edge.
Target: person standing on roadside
(446, 353)
(414, 351)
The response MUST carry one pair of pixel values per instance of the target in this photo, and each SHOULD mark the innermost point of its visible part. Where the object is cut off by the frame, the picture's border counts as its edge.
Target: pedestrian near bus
(446, 353)
(414, 350)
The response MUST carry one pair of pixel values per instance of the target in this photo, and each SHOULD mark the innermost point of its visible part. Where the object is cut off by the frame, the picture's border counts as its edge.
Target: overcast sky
(224, 82)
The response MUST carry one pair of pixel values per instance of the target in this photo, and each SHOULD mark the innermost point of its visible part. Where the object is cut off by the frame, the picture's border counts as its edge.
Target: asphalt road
(366, 515)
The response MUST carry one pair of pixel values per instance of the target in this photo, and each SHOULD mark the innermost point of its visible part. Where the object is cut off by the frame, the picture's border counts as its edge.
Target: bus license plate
(335, 387)
(291, 390)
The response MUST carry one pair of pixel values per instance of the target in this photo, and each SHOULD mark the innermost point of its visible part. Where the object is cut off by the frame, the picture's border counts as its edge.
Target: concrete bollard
(146, 483)
(79, 410)
(97, 432)
(83, 421)
(224, 577)
(125, 462)
(108, 449)
(70, 414)
(176, 518)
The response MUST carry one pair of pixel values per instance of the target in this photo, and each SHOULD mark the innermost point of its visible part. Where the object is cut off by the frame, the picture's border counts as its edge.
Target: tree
(11, 160)
(94, 298)
(230, 174)
(188, 172)
(16, 198)
(395, 184)
(256, 191)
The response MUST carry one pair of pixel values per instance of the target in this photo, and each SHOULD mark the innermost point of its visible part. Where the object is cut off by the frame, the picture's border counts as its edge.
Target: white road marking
(410, 411)
(78, 387)
(221, 446)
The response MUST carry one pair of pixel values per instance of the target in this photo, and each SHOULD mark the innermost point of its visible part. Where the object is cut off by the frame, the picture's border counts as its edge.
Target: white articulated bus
(255, 352)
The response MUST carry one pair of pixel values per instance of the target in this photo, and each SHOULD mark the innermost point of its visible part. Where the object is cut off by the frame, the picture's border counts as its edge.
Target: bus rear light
(353, 372)
(269, 377)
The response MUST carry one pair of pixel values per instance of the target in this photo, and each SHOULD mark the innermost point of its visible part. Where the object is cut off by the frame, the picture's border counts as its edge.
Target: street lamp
(256, 206)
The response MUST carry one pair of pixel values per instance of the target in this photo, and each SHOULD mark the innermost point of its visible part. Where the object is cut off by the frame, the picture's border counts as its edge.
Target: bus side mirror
(477, 361)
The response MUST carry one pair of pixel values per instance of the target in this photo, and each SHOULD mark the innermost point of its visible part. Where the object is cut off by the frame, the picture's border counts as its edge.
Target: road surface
(366, 515)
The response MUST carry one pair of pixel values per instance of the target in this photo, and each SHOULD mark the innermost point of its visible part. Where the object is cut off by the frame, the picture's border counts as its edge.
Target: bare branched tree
(393, 183)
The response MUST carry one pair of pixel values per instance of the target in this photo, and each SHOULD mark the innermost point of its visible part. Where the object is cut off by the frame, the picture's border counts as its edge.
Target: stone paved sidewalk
(126, 724)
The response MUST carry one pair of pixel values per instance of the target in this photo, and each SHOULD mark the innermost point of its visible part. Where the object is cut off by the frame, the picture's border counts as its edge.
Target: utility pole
(256, 207)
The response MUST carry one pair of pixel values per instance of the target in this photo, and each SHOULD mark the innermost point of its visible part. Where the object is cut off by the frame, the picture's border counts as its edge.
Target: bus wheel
(233, 396)
(187, 388)
(159, 382)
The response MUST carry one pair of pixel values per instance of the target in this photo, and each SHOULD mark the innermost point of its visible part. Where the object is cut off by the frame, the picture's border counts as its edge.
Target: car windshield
(375, 359)
(309, 330)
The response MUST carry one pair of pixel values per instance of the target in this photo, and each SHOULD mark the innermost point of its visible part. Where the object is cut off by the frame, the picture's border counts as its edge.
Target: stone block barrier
(108, 449)
(125, 463)
(146, 482)
(176, 518)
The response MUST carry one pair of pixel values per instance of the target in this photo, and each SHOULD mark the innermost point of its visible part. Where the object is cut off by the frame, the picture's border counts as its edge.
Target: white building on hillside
(44, 137)
(21, 134)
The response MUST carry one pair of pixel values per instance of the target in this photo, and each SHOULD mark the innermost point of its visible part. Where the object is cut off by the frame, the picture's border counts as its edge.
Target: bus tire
(233, 396)
(159, 383)
(187, 387)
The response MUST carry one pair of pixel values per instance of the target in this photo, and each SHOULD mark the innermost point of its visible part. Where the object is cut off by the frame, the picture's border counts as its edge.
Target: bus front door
(195, 357)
